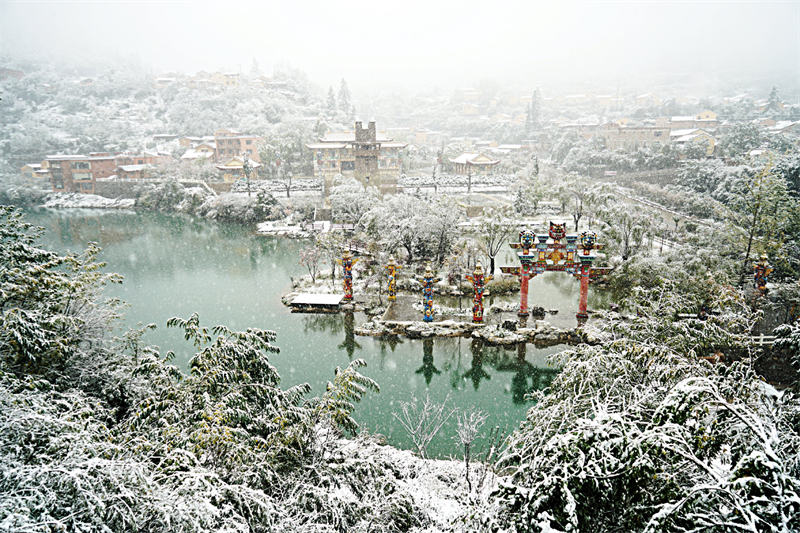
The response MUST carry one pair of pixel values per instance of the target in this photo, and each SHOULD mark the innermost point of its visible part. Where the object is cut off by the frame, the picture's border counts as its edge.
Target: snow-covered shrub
(50, 309)
(640, 434)
(100, 434)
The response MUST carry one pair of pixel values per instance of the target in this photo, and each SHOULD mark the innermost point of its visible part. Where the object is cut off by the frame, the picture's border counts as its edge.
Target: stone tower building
(366, 149)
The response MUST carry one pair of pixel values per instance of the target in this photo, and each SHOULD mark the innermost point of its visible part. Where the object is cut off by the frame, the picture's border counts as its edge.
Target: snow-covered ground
(78, 200)
(437, 486)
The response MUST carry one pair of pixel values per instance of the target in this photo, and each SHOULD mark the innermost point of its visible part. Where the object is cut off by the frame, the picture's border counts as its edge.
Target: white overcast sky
(413, 43)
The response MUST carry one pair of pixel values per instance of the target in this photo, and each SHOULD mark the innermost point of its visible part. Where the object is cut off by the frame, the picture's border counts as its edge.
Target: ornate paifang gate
(556, 251)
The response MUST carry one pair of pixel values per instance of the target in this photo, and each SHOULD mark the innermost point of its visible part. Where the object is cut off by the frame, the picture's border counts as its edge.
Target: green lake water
(174, 266)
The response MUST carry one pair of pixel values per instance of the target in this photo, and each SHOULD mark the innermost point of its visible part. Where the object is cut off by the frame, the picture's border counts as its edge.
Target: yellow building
(233, 170)
(695, 136)
(706, 115)
(473, 164)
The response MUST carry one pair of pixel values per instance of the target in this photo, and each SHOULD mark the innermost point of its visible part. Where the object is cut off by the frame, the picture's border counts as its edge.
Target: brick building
(79, 173)
(70, 173)
(232, 143)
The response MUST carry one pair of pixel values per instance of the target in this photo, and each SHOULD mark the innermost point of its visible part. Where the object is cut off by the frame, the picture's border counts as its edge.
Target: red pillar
(584, 294)
(523, 295)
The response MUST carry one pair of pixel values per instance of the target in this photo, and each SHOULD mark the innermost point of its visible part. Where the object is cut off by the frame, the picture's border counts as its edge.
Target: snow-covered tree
(493, 231)
(350, 200)
(344, 100)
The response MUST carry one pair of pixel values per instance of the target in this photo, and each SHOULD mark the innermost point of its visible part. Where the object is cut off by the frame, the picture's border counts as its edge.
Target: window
(140, 162)
(657, 133)
(348, 165)
(249, 141)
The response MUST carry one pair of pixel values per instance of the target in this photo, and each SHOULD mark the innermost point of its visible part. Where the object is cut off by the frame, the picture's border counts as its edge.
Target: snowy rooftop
(683, 132)
(470, 158)
(317, 299)
(196, 154)
(348, 136)
(133, 168)
(62, 157)
(320, 146)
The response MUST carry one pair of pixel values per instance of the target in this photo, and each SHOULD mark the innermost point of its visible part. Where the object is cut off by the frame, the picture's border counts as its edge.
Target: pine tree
(331, 100)
(344, 98)
(774, 101)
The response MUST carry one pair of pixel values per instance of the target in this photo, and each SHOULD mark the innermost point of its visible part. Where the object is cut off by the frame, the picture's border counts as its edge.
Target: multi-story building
(363, 154)
(79, 173)
(71, 173)
(630, 137)
(232, 143)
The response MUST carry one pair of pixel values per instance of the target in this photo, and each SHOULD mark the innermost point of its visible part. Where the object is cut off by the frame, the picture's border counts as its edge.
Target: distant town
(530, 125)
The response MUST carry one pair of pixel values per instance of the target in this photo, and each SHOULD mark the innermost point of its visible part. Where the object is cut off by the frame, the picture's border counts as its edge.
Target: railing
(763, 340)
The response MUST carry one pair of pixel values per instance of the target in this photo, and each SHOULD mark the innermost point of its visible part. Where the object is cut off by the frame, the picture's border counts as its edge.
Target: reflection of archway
(527, 377)
(427, 369)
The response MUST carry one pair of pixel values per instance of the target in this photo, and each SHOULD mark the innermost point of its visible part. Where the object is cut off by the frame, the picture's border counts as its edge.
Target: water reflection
(349, 344)
(427, 369)
(322, 323)
(527, 377)
(476, 373)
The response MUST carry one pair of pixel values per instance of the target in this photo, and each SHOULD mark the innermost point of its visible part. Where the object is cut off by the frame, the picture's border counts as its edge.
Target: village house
(135, 172)
(202, 151)
(233, 169)
(696, 136)
(704, 120)
(473, 163)
(191, 142)
(630, 137)
(71, 173)
(79, 173)
(231, 143)
(29, 171)
(145, 158)
(371, 158)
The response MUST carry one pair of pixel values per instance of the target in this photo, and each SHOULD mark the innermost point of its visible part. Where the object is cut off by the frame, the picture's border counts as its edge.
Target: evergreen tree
(774, 101)
(344, 98)
(331, 100)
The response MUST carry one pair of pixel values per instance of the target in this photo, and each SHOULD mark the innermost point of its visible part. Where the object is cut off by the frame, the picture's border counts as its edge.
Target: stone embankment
(540, 334)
